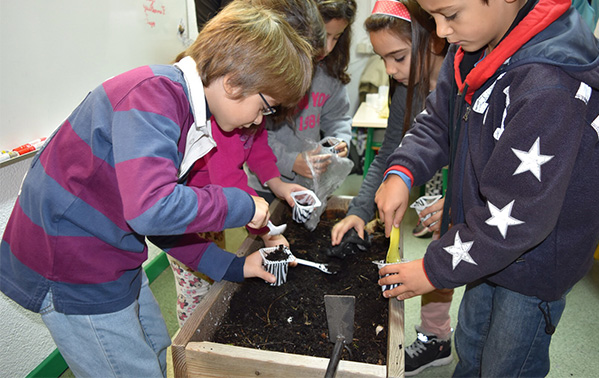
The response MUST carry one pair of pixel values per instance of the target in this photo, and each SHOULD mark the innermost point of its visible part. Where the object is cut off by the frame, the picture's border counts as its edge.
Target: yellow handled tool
(393, 252)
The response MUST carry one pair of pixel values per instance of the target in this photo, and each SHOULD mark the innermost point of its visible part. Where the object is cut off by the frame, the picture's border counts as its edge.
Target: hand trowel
(340, 318)
(393, 251)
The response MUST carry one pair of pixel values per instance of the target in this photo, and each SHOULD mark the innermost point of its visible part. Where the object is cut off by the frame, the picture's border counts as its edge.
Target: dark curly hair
(337, 61)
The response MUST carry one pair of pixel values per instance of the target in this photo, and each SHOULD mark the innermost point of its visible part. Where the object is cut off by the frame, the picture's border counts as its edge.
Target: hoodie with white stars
(520, 131)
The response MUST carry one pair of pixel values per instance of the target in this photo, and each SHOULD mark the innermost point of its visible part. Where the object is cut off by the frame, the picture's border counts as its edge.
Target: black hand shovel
(340, 317)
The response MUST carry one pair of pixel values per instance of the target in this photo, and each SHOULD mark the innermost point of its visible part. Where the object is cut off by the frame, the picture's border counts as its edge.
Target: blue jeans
(501, 333)
(128, 343)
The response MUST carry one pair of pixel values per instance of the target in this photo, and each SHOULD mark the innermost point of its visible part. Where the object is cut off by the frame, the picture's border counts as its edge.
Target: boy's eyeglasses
(269, 109)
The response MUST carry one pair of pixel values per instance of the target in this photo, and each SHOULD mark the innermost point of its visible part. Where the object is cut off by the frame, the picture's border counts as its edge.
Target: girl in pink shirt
(223, 166)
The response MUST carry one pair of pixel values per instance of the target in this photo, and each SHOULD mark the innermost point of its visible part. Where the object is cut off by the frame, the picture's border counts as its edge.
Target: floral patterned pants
(192, 286)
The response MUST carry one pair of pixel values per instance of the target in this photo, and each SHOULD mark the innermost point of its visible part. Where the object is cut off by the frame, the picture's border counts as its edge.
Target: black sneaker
(425, 352)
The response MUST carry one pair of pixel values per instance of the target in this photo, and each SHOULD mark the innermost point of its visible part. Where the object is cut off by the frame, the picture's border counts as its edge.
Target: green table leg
(369, 152)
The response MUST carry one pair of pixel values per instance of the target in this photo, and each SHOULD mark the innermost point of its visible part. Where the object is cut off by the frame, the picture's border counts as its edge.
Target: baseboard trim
(54, 365)
(156, 266)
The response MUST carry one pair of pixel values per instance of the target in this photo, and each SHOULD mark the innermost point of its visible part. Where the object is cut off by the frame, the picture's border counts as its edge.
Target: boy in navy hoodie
(515, 114)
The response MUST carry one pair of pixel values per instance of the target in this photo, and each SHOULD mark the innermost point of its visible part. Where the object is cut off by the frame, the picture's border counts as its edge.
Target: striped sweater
(107, 178)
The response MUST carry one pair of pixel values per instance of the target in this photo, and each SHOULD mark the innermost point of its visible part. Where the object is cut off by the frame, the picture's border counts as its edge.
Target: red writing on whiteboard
(151, 10)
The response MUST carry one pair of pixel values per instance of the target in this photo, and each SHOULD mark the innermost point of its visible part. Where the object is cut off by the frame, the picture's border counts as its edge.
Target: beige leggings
(434, 313)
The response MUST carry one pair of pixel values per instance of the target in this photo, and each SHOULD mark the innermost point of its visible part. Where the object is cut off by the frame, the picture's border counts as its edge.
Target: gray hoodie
(324, 111)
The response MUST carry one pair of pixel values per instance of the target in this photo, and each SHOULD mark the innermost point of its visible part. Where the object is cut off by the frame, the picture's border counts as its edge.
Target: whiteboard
(53, 52)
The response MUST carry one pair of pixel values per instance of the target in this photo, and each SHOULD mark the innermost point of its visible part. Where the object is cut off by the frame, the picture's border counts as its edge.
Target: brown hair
(304, 17)
(258, 50)
(337, 61)
(420, 33)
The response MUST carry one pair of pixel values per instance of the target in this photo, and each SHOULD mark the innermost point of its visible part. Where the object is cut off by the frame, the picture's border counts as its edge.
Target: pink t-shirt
(223, 165)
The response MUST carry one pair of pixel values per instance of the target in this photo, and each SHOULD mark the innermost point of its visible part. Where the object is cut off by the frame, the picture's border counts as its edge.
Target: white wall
(360, 42)
(42, 43)
(26, 341)
(55, 52)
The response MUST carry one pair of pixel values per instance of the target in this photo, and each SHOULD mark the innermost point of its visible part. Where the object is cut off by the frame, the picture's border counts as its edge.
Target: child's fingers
(435, 207)
(253, 268)
(268, 277)
(322, 158)
(434, 217)
(339, 231)
(342, 149)
(435, 226)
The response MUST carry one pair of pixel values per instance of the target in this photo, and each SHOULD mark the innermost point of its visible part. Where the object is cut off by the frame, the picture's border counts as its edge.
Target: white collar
(199, 138)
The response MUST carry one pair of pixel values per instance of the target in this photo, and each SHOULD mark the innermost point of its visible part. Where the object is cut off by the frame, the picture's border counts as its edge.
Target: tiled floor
(574, 350)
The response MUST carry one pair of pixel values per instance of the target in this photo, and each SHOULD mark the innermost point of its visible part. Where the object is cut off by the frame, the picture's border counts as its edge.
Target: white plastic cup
(422, 203)
(280, 267)
(372, 99)
(305, 203)
(380, 264)
(328, 145)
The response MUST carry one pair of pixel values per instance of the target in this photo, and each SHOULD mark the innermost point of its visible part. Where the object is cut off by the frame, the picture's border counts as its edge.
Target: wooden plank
(207, 359)
(202, 323)
(395, 341)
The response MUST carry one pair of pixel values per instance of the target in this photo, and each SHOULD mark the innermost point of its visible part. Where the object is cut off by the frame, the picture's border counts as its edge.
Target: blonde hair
(257, 49)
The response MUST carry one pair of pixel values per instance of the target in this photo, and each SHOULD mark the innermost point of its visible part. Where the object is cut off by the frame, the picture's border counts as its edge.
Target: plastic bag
(325, 183)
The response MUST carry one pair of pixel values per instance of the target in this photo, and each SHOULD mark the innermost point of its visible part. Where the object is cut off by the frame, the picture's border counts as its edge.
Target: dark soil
(292, 318)
(278, 254)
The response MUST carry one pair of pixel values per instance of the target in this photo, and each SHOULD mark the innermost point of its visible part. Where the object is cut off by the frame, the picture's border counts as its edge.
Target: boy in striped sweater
(115, 171)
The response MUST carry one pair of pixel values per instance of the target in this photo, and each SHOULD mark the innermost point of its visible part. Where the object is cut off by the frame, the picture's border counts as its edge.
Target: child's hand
(261, 214)
(300, 166)
(434, 222)
(283, 189)
(319, 163)
(412, 277)
(350, 221)
(290, 188)
(253, 268)
(392, 200)
(341, 149)
(274, 240)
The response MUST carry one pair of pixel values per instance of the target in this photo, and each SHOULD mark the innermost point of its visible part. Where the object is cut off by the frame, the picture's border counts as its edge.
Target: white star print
(459, 251)
(502, 218)
(531, 160)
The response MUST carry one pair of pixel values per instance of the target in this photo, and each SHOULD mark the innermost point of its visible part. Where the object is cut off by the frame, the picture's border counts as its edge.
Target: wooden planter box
(194, 355)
